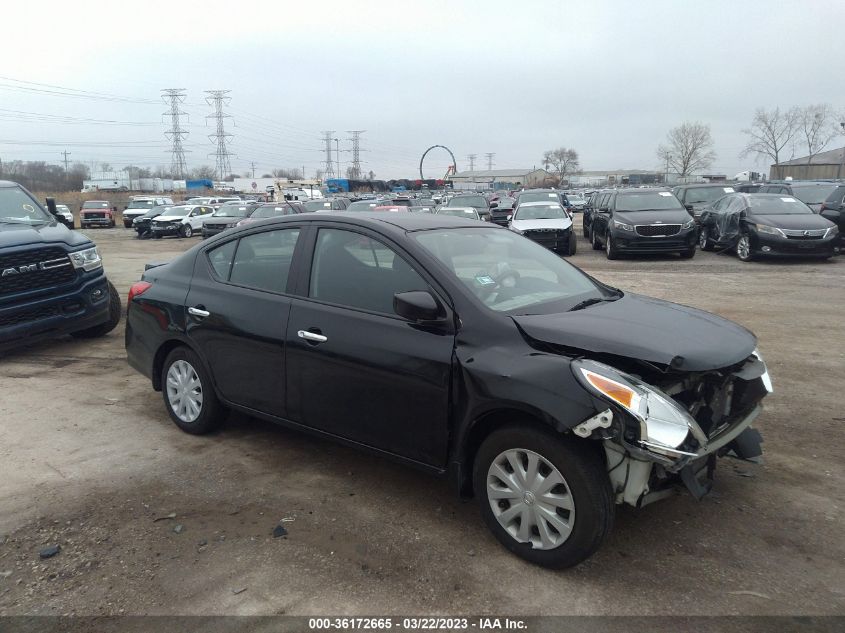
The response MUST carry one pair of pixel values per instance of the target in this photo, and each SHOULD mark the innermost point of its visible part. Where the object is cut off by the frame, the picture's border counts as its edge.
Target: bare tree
(817, 127)
(562, 161)
(770, 133)
(292, 174)
(688, 148)
(206, 172)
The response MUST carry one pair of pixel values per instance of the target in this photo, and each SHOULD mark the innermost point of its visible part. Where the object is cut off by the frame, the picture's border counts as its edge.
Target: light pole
(337, 146)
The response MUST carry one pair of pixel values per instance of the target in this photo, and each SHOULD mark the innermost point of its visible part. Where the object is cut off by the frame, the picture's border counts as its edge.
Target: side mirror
(418, 306)
(604, 210)
(493, 205)
(510, 217)
(51, 206)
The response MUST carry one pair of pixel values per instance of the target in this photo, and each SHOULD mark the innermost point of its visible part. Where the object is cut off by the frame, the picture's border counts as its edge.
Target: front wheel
(573, 243)
(704, 240)
(688, 254)
(114, 318)
(545, 499)
(610, 247)
(188, 394)
(187, 231)
(743, 248)
(594, 241)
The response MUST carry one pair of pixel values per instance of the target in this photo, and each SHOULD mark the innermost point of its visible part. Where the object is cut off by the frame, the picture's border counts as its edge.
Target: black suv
(643, 221)
(51, 278)
(696, 197)
(811, 193)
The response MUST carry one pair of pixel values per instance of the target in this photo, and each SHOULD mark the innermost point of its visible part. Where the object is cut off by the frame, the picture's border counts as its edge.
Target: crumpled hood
(53, 232)
(643, 328)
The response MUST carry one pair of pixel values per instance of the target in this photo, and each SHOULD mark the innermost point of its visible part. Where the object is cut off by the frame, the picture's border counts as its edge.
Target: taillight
(137, 289)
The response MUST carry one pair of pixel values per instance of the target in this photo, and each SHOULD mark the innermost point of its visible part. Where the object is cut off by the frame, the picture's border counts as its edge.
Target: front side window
(356, 271)
(261, 260)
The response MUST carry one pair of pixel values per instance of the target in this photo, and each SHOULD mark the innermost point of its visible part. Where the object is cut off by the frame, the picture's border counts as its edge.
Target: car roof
(539, 203)
(386, 222)
(704, 184)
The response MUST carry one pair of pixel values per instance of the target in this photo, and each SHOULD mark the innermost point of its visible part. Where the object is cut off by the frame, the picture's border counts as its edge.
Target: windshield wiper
(591, 301)
(27, 222)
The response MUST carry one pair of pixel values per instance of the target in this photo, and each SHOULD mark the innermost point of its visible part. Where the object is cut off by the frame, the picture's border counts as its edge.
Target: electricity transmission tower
(216, 99)
(176, 133)
(356, 150)
(490, 156)
(328, 172)
(471, 158)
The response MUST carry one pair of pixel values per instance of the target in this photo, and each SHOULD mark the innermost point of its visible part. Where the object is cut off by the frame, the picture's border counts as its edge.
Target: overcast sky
(515, 78)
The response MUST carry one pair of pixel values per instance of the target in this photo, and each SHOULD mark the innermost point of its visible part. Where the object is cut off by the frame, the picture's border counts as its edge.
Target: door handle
(199, 312)
(311, 336)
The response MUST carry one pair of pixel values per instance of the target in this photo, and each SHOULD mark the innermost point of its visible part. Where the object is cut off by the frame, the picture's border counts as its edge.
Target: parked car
(577, 201)
(461, 348)
(325, 205)
(833, 208)
(51, 278)
(757, 224)
(226, 216)
(697, 197)
(477, 201)
(643, 221)
(181, 220)
(139, 205)
(272, 210)
(65, 215)
(596, 201)
(543, 195)
(143, 223)
(468, 213)
(813, 194)
(363, 205)
(501, 209)
(546, 223)
(425, 205)
(97, 213)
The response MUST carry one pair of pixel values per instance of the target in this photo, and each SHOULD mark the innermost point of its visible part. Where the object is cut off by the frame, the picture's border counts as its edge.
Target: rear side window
(221, 259)
(263, 260)
(354, 270)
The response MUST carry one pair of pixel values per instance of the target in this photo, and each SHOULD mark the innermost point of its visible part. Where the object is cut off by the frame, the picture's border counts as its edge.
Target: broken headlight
(664, 424)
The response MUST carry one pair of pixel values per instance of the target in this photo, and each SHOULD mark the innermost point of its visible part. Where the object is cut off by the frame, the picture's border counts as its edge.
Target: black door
(357, 370)
(237, 316)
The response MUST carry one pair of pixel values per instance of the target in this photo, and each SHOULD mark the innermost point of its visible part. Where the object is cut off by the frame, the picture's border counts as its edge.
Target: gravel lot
(89, 460)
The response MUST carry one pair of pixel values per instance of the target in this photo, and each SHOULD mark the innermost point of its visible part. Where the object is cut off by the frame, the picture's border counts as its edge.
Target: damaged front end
(662, 428)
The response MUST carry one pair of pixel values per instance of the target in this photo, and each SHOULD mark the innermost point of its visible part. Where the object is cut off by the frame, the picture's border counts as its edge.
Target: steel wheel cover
(530, 499)
(184, 391)
(743, 247)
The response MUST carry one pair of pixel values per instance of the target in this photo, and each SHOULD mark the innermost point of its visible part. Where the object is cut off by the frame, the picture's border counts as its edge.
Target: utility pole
(252, 166)
(490, 156)
(176, 133)
(337, 146)
(471, 158)
(668, 158)
(356, 149)
(216, 99)
(328, 172)
(65, 154)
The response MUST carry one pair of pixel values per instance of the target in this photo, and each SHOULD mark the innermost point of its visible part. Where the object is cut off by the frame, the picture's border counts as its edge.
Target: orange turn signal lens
(612, 389)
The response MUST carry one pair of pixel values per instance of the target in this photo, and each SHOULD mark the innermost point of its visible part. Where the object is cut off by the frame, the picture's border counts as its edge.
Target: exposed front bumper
(164, 230)
(630, 242)
(553, 240)
(94, 221)
(767, 244)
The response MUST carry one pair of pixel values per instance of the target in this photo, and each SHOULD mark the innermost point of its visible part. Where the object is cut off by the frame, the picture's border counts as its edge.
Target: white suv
(139, 205)
(183, 220)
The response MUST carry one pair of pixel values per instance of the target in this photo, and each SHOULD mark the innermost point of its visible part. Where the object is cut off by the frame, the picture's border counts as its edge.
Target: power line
(471, 158)
(356, 149)
(490, 163)
(176, 96)
(328, 171)
(223, 166)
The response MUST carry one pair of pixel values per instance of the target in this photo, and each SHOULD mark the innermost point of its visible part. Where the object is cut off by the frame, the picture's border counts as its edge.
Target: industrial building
(823, 166)
(501, 179)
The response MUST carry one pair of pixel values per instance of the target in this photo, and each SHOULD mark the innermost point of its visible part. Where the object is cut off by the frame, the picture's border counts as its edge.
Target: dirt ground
(89, 460)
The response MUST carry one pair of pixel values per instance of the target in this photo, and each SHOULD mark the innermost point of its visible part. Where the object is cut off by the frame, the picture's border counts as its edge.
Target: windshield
(706, 195)
(93, 204)
(539, 196)
(317, 205)
(16, 206)
(507, 272)
(271, 212)
(647, 201)
(468, 201)
(141, 204)
(765, 204)
(458, 212)
(230, 212)
(152, 213)
(813, 194)
(178, 212)
(363, 205)
(540, 212)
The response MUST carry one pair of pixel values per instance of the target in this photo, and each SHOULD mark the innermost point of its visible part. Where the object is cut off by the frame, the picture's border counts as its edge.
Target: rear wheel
(188, 395)
(585, 228)
(545, 499)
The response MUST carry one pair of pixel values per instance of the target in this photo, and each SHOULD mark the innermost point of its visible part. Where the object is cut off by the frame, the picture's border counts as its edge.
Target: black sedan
(642, 221)
(142, 223)
(458, 347)
(501, 210)
(757, 224)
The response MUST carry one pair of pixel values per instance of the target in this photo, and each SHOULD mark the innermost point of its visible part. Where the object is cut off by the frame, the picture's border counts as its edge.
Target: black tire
(586, 477)
(157, 236)
(704, 240)
(114, 318)
(610, 247)
(594, 241)
(186, 231)
(211, 412)
(688, 254)
(573, 243)
(585, 228)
